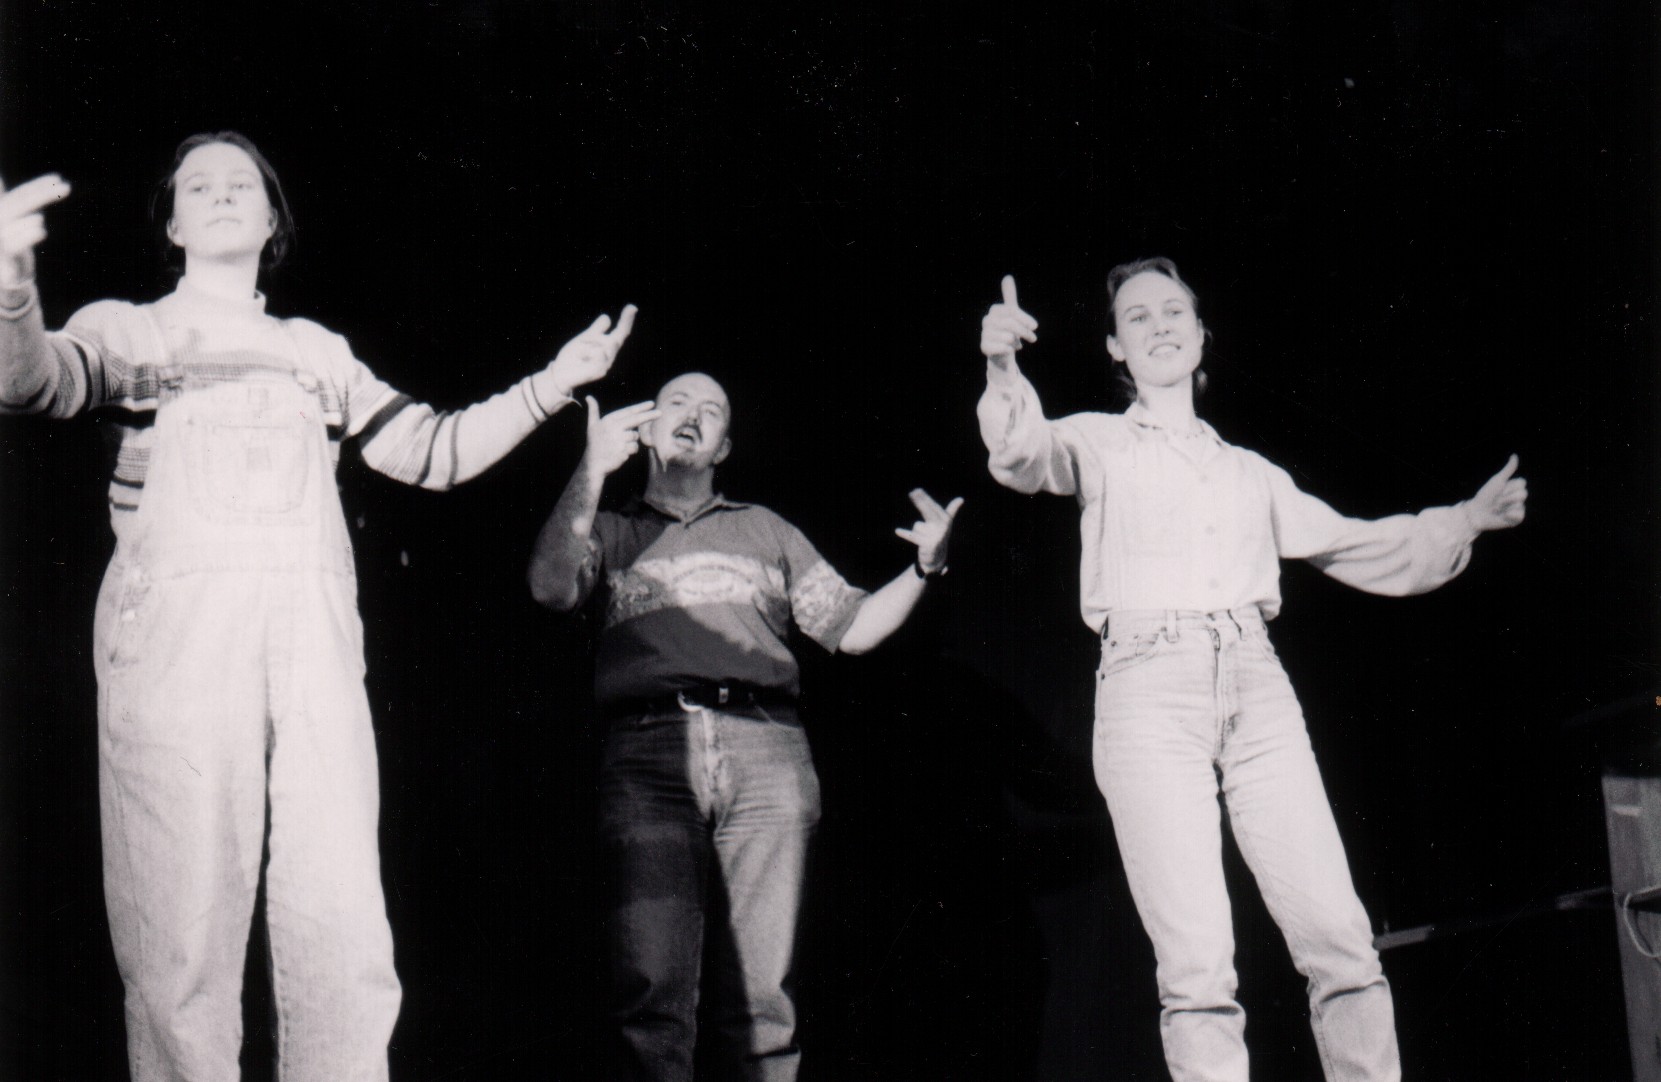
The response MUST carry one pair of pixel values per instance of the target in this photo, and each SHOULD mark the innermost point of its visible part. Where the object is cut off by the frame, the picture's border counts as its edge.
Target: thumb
(593, 410)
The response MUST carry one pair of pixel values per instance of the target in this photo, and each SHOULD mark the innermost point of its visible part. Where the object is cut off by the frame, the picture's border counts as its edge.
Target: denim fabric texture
(229, 655)
(1190, 706)
(705, 821)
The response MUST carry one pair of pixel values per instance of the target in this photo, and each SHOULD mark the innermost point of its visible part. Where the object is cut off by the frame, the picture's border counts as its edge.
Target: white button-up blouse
(1190, 522)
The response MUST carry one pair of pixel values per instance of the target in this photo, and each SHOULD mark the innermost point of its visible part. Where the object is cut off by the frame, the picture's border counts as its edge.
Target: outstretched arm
(1026, 452)
(882, 613)
(1398, 555)
(29, 369)
(411, 442)
(564, 563)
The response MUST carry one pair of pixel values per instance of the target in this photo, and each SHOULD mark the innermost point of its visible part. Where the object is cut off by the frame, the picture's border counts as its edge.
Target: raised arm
(1398, 555)
(564, 562)
(30, 373)
(882, 613)
(411, 442)
(1025, 451)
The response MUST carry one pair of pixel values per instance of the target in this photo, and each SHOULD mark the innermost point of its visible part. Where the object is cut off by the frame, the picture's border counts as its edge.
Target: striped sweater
(127, 359)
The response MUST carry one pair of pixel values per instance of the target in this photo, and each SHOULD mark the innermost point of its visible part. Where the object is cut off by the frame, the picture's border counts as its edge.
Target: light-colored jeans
(1187, 705)
(700, 807)
(230, 667)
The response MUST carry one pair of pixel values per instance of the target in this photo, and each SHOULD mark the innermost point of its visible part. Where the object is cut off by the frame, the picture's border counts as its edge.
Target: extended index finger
(32, 195)
(1009, 291)
(639, 407)
(625, 323)
(926, 506)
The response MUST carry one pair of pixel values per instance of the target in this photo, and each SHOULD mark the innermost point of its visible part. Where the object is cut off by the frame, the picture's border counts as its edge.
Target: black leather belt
(710, 696)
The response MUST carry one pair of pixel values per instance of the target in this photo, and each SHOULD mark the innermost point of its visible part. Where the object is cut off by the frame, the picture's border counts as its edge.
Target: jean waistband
(728, 697)
(1171, 620)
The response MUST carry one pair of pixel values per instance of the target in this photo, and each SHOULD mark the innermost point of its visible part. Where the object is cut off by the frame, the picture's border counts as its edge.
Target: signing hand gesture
(1498, 504)
(1006, 327)
(612, 439)
(588, 356)
(22, 226)
(932, 532)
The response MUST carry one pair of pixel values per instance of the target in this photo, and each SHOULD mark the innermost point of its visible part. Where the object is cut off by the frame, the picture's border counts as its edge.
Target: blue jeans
(1187, 705)
(700, 807)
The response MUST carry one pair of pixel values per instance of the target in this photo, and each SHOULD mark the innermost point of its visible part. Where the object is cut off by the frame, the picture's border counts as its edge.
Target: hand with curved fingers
(932, 533)
(23, 225)
(589, 356)
(1498, 504)
(1006, 327)
(615, 437)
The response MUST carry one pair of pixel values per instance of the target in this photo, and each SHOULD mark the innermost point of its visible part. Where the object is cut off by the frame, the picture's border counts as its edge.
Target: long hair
(161, 200)
(1123, 273)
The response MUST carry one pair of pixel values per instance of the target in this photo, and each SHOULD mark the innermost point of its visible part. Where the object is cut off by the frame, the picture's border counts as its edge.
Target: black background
(1422, 234)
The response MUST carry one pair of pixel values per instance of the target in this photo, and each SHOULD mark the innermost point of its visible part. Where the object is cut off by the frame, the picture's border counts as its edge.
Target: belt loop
(722, 694)
(1239, 628)
(1171, 632)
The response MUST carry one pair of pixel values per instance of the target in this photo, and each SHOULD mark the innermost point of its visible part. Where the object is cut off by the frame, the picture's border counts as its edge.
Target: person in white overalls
(228, 647)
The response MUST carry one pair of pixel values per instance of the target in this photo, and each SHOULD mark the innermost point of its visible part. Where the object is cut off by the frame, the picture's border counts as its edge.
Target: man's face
(691, 432)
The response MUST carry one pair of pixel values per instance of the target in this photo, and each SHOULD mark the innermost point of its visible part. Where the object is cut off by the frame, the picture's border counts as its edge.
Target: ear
(721, 455)
(271, 224)
(1114, 350)
(173, 231)
(645, 432)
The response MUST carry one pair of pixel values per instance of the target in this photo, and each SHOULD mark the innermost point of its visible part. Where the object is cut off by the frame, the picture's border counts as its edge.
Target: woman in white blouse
(1182, 537)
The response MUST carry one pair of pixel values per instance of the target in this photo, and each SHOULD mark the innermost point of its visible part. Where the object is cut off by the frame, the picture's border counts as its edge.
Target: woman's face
(220, 209)
(1159, 335)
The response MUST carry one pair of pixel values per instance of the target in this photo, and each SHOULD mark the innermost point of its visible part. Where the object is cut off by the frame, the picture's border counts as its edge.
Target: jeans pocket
(1258, 636)
(1122, 652)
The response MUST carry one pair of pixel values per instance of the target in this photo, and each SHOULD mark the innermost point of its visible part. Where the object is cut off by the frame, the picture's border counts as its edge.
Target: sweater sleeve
(61, 373)
(1394, 556)
(412, 442)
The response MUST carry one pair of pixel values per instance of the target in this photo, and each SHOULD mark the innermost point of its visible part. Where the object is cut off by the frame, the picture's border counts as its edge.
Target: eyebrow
(238, 173)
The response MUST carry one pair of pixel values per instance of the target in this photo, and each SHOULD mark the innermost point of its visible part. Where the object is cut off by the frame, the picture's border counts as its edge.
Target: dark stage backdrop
(1421, 232)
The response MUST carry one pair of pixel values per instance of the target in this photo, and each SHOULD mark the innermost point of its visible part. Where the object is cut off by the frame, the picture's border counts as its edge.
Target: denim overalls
(230, 667)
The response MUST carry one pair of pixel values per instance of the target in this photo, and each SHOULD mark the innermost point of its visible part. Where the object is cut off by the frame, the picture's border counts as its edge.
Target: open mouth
(688, 435)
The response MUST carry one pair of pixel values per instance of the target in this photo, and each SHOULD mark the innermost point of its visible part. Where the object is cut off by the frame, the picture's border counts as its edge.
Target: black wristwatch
(923, 573)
